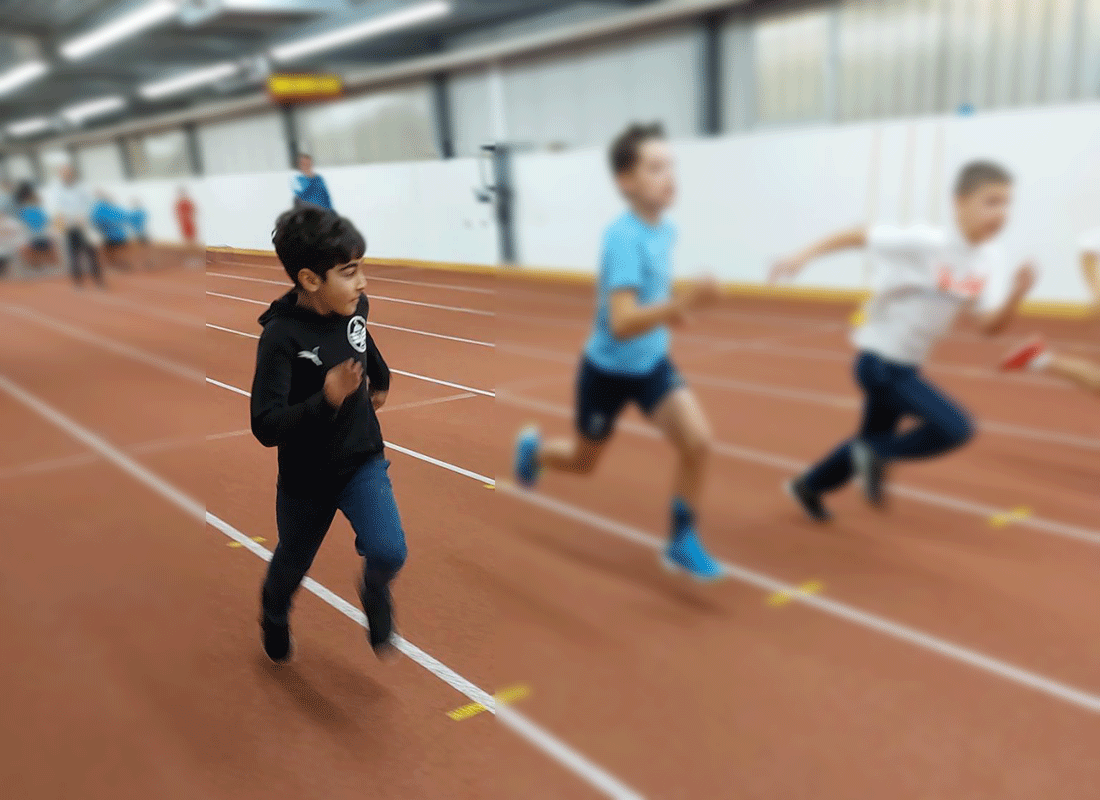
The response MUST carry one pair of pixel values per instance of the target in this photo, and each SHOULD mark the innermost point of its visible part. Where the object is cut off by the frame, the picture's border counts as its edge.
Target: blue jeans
(369, 505)
(893, 391)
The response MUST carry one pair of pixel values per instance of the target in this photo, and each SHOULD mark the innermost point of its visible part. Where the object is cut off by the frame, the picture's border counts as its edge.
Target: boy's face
(983, 213)
(338, 292)
(652, 182)
(305, 164)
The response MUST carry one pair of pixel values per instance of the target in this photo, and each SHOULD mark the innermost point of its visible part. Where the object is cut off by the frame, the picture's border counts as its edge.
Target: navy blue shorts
(602, 395)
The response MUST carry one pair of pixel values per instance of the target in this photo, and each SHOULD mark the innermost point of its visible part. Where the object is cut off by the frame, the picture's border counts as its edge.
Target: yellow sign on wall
(287, 88)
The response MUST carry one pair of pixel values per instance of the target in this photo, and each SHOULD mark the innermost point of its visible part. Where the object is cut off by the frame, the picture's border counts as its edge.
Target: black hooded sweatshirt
(320, 447)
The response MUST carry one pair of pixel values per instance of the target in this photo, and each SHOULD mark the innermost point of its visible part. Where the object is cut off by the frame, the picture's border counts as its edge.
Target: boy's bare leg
(1076, 370)
(685, 425)
(578, 455)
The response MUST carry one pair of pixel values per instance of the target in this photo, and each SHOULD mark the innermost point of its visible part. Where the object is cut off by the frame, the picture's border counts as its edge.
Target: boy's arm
(274, 420)
(628, 319)
(788, 268)
(379, 374)
(993, 321)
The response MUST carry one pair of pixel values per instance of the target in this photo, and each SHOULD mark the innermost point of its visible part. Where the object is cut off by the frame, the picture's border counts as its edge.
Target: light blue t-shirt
(636, 255)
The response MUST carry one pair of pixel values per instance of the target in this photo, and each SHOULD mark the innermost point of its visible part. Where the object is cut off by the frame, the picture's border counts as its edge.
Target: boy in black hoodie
(309, 399)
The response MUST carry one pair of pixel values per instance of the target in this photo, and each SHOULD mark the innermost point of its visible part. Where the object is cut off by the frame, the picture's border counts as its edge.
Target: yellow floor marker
(783, 598)
(234, 544)
(857, 318)
(489, 486)
(1008, 517)
(257, 538)
(509, 695)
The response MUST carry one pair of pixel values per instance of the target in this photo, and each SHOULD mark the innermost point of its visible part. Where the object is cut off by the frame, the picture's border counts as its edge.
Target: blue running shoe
(527, 449)
(685, 552)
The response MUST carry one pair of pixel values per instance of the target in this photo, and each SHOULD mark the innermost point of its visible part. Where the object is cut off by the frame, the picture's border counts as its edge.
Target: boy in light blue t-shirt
(626, 358)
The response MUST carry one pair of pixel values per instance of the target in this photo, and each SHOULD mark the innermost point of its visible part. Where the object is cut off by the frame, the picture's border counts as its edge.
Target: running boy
(925, 277)
(310, 400)
(626, 358)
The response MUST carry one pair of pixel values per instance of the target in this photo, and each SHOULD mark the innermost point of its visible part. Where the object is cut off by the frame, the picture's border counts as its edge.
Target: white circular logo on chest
(357, 333)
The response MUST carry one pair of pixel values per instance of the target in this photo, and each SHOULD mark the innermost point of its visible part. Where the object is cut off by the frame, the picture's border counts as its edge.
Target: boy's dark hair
(315, 238)
(977, 174)
(24, 193)
(624, 150)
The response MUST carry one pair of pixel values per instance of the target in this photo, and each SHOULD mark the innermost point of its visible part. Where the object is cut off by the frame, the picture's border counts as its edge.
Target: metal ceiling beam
(654, 15)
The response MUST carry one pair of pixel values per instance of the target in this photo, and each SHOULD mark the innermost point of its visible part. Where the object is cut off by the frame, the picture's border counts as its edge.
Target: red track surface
(132, 667)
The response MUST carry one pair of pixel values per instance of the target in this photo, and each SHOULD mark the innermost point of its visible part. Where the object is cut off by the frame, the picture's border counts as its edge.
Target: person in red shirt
(185, 213)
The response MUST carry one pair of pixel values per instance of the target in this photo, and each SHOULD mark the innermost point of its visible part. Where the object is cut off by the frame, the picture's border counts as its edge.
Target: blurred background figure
(74, 209)
(111, 221)
(185, 215)
(40, 248)
(12, 235)
(7, 197)
(308, 186)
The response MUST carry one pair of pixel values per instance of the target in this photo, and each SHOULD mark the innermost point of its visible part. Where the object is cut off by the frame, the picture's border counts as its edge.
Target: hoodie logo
(357, 333)
(311, 355)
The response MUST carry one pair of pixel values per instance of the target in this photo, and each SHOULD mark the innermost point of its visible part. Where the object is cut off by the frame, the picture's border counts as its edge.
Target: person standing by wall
(74, 206)
(308, 186)
(185, 214)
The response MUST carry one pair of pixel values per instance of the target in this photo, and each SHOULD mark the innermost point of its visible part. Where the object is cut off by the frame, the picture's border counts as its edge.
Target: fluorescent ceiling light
(148, 15)
(22, 74)
(93, 108)
(29, 127)
(360, 30)
(188, 80)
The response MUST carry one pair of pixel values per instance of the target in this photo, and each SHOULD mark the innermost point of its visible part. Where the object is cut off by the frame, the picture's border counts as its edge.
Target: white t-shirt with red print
(923, 278)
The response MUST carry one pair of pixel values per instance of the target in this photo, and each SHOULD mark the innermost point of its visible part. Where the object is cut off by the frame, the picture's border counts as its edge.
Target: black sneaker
(378, 607)
(871, 470)
(809, 502)
(276, 638)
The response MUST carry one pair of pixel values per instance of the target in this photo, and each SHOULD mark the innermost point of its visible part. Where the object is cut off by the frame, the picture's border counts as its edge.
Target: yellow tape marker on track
(488, 486)
(857, 318)
(783, 598)
(509, 695)
(1008, 517)
(235, 545)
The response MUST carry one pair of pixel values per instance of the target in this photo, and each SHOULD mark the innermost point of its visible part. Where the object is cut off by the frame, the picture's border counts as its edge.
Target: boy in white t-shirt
(925, 277)
(1034, 354)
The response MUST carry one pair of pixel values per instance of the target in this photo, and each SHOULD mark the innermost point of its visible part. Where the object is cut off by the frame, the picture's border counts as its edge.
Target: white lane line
(821, 398)
(415, 376)
(147, 309)
(541, 739)
(421, 403)
(792, 465)
(55, 464)
(459, 309)
(375, 324)
(452, 287)
(83, 335)
(964, 655)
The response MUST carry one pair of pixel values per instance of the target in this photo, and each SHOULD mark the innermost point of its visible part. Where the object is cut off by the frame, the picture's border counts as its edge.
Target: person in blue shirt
(28, 207)
(308, 186)
(626, 358)
(137, 222)
(111, 221)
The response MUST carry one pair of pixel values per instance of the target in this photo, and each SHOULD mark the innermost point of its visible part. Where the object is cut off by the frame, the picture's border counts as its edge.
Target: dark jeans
(893, 391)
(369, 505)
(80, 248)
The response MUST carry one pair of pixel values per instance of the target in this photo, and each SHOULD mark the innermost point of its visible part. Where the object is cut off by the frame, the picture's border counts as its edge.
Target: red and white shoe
(1031, 355)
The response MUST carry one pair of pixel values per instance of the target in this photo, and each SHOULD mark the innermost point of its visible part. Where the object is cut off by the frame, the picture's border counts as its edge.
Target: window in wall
(394, 125)
(249, 144)
(583, 97)
(790, 53)
(1088, 67)
(101, 163)
(163, 155)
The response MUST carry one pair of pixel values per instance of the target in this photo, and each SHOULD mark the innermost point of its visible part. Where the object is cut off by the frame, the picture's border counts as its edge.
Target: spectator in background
(308, 186)
(39, 248)
(12, 236)
(111, 221)
(74, 208)
(7, 197)
(185, 214)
